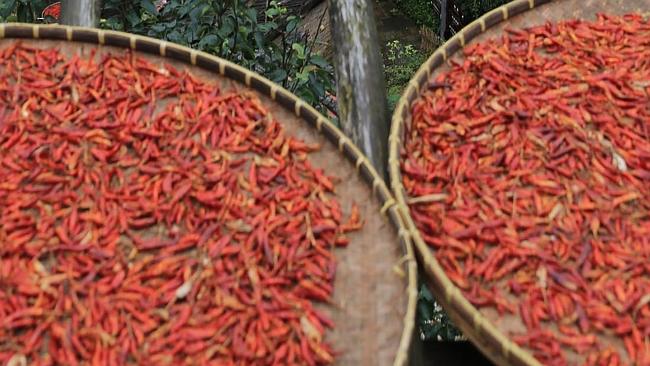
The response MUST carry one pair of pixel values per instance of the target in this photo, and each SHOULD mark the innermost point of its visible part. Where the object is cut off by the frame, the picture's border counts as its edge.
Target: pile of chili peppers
(150, 218)
(527, 166)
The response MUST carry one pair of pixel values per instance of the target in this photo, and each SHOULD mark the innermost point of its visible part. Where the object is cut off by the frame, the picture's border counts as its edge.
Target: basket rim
(227, 69)
(481, 331)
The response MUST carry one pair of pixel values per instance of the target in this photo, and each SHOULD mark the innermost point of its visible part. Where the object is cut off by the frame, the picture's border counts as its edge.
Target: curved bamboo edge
(286, 99)
(489, 339)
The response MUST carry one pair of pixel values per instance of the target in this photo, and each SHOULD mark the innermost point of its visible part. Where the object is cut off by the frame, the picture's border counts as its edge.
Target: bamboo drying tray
(483, 328)
(375, 290)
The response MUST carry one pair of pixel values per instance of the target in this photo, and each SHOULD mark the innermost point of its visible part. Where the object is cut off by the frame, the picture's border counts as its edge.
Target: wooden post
(361, 90)
(443, 19)
(83, 13)
(361, 93)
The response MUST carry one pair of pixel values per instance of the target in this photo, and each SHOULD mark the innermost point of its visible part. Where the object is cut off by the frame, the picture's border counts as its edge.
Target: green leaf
(133, 18)
(319, 61)
(316, 86)
(211, 40)
(185, 8)
(110, 5)
(113, 23)
(227, 27)
(259, 40)
(425, 310)
(244, 31)
(267, 27)
(305, 94)
(278, 75)
(292, 24)
(309, 69)
(303, 76)
(170, 8)
(158, 28)
(197, 12)
(190, 36)
(7, 7)
(251, 13)
(175, 36)
(149, 6)
(271, 12)
(426, 294)
(299, 49)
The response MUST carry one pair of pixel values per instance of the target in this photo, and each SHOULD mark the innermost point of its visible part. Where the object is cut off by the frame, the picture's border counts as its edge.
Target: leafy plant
(433, 321)
(473, 9)
(231, 30)
(400, 64)
(421, 11)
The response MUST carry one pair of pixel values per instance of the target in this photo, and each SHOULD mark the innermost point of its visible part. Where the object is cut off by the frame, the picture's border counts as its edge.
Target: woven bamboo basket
(375, 290)
(484, 328)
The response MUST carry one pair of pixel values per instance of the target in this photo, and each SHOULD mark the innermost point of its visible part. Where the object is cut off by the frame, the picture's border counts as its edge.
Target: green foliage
(400, 64)
(420, 11)
(231, 30)
(475, 8)
(226, 28)
(423, 13)
(433, 321)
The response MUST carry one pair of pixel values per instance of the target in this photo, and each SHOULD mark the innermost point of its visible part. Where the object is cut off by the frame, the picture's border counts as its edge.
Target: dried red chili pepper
(53, 10)
(529, 175)
(192, 233)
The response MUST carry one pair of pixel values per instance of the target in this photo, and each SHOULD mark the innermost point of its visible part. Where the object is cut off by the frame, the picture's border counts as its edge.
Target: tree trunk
(361, 88)
(83, 13)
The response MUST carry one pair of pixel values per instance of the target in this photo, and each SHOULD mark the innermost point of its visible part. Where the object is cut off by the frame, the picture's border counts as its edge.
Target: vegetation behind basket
(401, 61)
(423, 11)
(274, 47)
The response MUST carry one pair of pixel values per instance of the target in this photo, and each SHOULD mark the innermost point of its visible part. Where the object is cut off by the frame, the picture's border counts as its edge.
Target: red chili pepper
(526, 166)
(150, 217)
